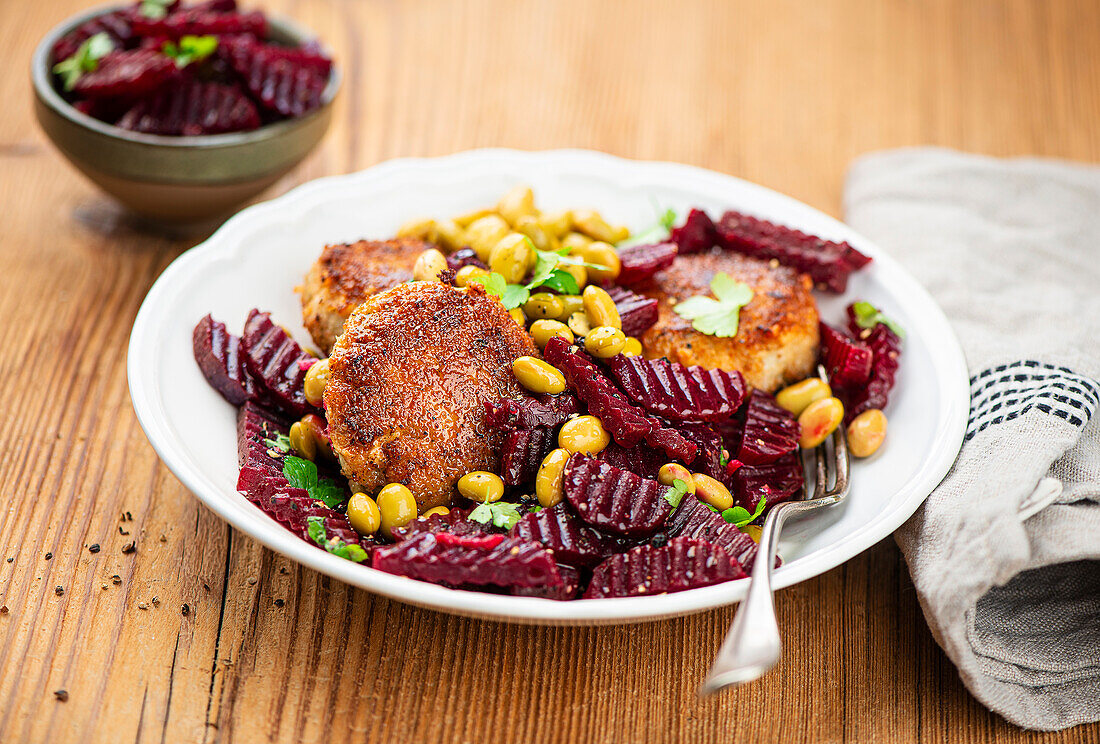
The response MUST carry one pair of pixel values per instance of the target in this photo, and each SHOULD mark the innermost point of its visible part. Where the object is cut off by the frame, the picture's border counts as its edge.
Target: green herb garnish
(511, 295)
(155, 9)
(739, 515)
(717, 317)
(85, 59)
(548, 271)
(501, 513)
(675, 494)
(302, 473)
(869, 316)
(655, 233)
(315, 528)
(190, 49)
(281, 443)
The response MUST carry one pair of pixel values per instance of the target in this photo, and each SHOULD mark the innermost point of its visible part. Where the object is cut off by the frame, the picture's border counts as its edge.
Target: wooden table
(203, 635)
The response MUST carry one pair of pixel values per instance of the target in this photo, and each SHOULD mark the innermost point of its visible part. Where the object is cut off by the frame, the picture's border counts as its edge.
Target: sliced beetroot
(693, 519)
(279, 84)
(464, 257)
(568, 589)
(522, 454)
(127, 73)
(530, 413)
(885, 346)
(776, 481)
(201, 22)
(641, 459)
(218, 354)
(710, 444)
(636, 311)
(696, 235)
(510, 563)
(640, 262)
(828, 263)
(769, 431)
(116, 24)
(571, 541)
(454, 522)
(684, 563)
(193, 108)
(276, 360)
(847, 361)
(676, 392)
(674, 444)
(614, 500)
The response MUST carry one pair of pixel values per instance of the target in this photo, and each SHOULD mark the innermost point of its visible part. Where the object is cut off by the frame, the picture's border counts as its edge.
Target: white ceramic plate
(257, 258)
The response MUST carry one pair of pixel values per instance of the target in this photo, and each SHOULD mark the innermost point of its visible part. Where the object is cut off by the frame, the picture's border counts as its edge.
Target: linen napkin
(1005, 554)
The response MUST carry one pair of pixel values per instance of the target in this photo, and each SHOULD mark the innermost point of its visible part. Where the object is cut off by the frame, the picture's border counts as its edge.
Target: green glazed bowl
(176, 179)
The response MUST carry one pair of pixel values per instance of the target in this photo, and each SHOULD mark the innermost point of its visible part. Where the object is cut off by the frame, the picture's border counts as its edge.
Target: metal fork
(752, 645)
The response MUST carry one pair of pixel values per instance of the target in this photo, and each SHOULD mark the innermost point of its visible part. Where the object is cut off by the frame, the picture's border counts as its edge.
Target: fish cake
(777, 334)
(408, 383)
(347, 274)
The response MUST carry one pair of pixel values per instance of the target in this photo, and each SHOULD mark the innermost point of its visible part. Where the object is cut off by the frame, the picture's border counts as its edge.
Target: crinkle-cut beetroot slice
(571, 541)
(886, 350)
(218, 355)
(640, 262)
(273, 358)
(684, 563)
(769, 431)
(673, 443)
(570, 586)
(511, 563)
(115, 24)
(530, 413)
(479, 542)
(130, 73)
(278, 83)
(696, 235)
(709, 442)
(676, 392)
(522, 454)
(614, 500)
(464, 257)
(636, 311)
(847, 361)
(623, 421)
(214, 6)
(201, 22)
(828, 263)
(640, 459)
(454, 522)
(776, 481)
(193, 108)
(693, 519)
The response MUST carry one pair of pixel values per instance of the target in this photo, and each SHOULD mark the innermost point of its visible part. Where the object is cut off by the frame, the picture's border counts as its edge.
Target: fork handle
(752, 646)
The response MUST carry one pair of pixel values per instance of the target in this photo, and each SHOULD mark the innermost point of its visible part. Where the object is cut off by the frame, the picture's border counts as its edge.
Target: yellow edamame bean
(556, 224)
(604, 342)
(601, 255)
(544, 330)
(673, 471)
(429, 265)
(591, 223)
(315, 382)
(711, 491)
(531, 227)
(511, 257)
(440, 510)
(866, 433)
(548, 488)
(600, 308)
(363, 514)
(483, 234)
(538, 376)
(421, 229)
(518, 316)
(466, 273)
(570, 304)
(469, 218)
(543, 305)
(519, 202)
(796, 398)
(819, 420)
(583, 434)
(575, 242)
(632, 347)
(396, 507)
(578, 323)
(481, 485)
(450, 235)
(301, 441)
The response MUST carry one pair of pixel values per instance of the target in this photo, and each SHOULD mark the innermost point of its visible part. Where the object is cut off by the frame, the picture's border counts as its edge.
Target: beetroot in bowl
(182, 112)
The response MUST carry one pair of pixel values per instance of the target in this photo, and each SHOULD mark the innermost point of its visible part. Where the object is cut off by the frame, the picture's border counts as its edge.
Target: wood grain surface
(201, 634)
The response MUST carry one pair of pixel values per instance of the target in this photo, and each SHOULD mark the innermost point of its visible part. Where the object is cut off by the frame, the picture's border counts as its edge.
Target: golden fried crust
(777, 335)
(345, 275)
(409, 381)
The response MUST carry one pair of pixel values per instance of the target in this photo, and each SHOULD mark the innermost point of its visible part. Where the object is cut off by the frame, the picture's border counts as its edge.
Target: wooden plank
(782, 93)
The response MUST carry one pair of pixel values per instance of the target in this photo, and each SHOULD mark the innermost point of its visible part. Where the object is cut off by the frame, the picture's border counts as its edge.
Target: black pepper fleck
(116, 579)
(49, 556)
(185, 610)
(94, 548)
(129, 547)
(59, 590)
(279, 603)
(62, 695)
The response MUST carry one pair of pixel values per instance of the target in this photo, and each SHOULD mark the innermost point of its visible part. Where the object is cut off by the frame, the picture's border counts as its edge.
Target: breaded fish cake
(347, 274)
(408, 383)
(777, 335)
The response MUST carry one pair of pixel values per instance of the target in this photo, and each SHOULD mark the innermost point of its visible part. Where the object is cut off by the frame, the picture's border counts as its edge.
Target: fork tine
(841, 463)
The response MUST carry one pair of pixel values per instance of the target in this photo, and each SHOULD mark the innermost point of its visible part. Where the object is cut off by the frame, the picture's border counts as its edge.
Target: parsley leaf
(316, 530)
(739, 515)
(501, 513)
(85, 59)
(562, 282)
(869, 316)
(511, 295)
(675, 493)
(281, 443)
(547, 271)
(655, 233)
(190, 49)
(155, 9)
(301, 473)
(717, 317)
